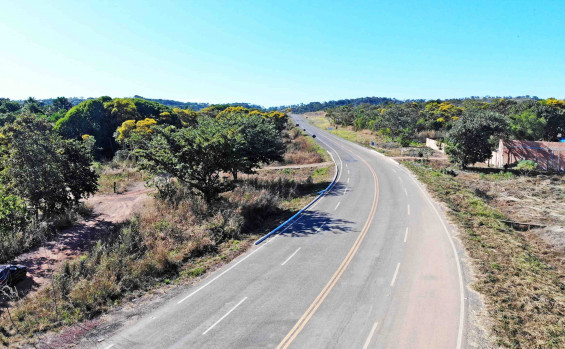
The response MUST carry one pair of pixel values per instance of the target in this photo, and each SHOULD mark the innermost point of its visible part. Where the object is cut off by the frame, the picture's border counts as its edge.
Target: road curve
(370, 265)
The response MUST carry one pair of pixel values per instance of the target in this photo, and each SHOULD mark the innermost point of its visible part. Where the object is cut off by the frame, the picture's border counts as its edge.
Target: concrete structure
(435, 145)
(548, 155)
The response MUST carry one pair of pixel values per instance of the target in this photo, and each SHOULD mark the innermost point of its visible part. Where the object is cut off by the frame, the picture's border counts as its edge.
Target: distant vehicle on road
(297, 125)
(10, 274)
(313, 136)
(304, 129)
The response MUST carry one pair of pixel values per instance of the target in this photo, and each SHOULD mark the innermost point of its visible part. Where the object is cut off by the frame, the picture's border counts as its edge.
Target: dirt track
(108, 210)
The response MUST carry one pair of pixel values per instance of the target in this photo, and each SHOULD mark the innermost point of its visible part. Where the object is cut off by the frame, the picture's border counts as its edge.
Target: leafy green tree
(33, 106)
(8, 106)
(89, 117)
(527, 126)
(37, 165)
(61, 103)
(194, 156)
(473, 136)
(252, 139)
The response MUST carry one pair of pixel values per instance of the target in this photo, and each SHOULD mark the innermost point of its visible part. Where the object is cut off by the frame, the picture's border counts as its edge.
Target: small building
(548, 155)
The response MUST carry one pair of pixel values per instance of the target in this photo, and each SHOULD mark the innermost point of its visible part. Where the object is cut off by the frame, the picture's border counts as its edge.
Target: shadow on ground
(314, 222)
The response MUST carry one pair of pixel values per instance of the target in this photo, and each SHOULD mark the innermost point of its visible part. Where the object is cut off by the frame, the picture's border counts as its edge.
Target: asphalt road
(370, 265)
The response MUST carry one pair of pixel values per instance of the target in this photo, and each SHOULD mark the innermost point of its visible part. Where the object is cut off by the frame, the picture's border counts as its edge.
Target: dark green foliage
(193, 156)
(527, 126)
(8, 106)
(50, 174)
(197, 156)
(474, 136)
(89, 118)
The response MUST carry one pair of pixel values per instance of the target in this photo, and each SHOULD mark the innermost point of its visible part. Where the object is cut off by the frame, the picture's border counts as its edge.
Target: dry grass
(162, 244)
(523, 285)
(121, 174)
(302, 149)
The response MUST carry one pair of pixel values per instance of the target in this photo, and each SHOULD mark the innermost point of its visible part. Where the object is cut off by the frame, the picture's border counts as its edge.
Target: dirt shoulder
(108, 209)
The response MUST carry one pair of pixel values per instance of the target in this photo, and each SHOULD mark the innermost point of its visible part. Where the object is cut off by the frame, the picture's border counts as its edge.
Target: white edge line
(223, 317)
(457, 261)
(292, 255)
(459, 271)
(395, 275)
(225, 271)
(368, 341)
(276, 235)
(406, 235)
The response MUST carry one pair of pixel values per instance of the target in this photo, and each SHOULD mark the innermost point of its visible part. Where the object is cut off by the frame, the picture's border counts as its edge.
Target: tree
(252, 139)
(61, 103)
(50, 174)
(132, 132)
(527, 126)
(473, 136)
(193, 156)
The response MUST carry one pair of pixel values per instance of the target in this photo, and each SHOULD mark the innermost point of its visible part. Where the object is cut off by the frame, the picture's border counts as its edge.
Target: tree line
(47, 152)
(470, 128)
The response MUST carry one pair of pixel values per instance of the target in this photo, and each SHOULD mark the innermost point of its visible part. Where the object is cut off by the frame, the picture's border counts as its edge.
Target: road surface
(370, 265)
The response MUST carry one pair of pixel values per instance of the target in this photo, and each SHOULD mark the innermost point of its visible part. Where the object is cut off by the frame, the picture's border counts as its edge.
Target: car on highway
(10, 274)
(313, 136)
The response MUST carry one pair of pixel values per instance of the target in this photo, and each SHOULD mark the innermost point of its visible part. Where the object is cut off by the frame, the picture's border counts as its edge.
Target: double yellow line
(337, 275)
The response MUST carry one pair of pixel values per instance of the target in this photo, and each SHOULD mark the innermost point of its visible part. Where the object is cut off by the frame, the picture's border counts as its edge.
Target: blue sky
(281, 52)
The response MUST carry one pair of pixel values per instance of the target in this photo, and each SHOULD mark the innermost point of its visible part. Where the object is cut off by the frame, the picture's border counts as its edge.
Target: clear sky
(281, 52)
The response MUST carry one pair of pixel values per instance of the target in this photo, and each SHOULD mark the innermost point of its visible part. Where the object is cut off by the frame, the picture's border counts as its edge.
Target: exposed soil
(530, 200)
(108, 209)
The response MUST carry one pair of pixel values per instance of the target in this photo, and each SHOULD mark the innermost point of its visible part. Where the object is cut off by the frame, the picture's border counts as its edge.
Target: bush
(527, 165)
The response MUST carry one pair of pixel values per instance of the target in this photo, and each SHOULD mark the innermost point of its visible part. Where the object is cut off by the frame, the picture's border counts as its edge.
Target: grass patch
(525, 295)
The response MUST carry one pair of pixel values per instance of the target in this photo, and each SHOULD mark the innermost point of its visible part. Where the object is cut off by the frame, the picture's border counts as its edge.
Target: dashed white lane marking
(345, 191)
(347, 171)
(347, 179)
(292, 255)
(336, 206)
(409, 210)
(405, 192)
(346, 165)
(108, 347)
(394, 170)
(223, 317)
(395, 275)
(406, 235)
(368, 341)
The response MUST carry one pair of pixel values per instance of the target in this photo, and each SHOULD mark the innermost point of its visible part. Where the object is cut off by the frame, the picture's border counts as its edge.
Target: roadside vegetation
(470, 128)
(210, 202)
(519, 275)
(510, 222)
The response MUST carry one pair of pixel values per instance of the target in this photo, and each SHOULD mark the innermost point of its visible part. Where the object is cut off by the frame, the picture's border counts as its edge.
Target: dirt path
(108, 210)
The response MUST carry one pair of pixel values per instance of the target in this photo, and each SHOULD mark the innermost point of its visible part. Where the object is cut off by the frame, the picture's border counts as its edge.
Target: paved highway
(370, 265)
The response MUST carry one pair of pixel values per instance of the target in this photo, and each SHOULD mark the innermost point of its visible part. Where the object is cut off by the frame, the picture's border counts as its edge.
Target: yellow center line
(339, 272)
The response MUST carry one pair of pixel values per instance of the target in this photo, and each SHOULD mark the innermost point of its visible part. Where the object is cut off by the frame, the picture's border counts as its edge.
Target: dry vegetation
(520, 273)
(522, 282)
(124, 174)
(382, 143)
(174, 239)
(302, 149)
